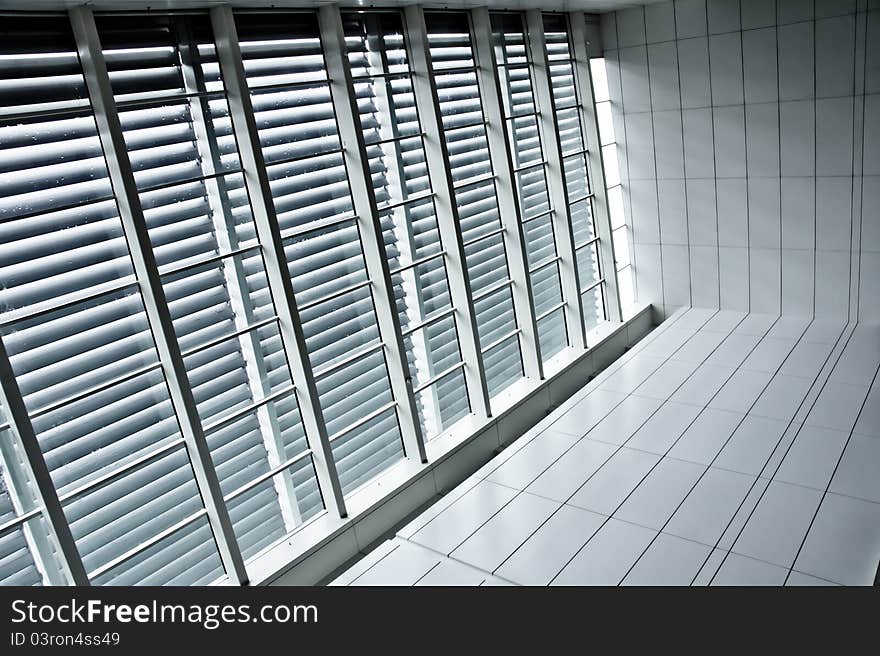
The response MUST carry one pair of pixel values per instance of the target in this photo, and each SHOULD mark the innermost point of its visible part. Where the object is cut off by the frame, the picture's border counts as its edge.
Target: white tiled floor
(724, 449)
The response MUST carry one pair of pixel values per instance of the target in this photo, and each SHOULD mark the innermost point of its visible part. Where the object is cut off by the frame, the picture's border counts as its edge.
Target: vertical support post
(508, 208)
(234, 275)
(256, 178)
(364, 201)
(439, 172)
(70, 568)
(560, 215)
(147, 272)
(595, 165)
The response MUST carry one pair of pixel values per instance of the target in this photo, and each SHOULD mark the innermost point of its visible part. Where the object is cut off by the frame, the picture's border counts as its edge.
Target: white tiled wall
(749, 138)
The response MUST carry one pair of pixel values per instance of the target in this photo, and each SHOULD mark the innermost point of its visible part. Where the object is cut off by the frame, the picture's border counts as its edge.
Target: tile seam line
(519, 492)
(460, 561)
(730, 437)
(797, 432)
(742, 319)
(384, 556)
(836, 466)
(655, 334)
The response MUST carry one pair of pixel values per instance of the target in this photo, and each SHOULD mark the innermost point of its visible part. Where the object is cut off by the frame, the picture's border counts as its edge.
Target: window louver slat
(512, 57)
(450, 46)
(392, 131)
(575, 173)
(300, 143)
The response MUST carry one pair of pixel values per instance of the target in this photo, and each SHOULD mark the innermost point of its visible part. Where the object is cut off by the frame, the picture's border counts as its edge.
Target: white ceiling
(560, 5)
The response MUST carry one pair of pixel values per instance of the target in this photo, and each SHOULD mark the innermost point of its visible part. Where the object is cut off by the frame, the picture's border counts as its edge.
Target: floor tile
(663, 382)
(723, 321)
(588, 412)
(710, 567)
(546, 552)
(403, 566)
(769, 354)
(796, 579)
(706, 436)
(756, 323)
(500, 536)
(698, 347)
(743, 513)
(782, 398)
(843, 544)
(824, 331)
(669, 560)
(703, 384)
(608, 556)
(858, 474)
(493, 581)
(740, 570)
(788, 327)
(439, 506)
(560, 480)
(452, 573)
(750, 445)
(663, 428)
(366, 562)
(668, 343)
(869, 418)
(837, 407)
(806, 360)
(733, 350)
(657, 497)
(812, 457)
(741, 391)
(776, 528)
(710, 506)
(624, 420)
(695, 318)
(455, 524)
(528, 463)
(858, 363)
(632, 374)
(607, 488)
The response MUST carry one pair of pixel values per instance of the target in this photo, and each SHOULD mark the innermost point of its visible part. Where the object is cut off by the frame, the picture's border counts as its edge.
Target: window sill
(322, 545)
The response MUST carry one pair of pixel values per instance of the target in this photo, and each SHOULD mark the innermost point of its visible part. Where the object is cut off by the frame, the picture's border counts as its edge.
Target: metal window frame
(34, 478)
(364, 202)
(269, 235)
(595, 166)
(508, 209)
(563, 233)
(66, 565)
(147, 272)
(446, 209)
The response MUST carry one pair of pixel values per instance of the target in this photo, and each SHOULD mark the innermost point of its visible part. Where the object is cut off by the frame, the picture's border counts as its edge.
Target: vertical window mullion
(595, 165)
(71, 566)
(560, 215)
(447, 211)
(502, 162)
(269, 234)
(365, 207)
(147, 272)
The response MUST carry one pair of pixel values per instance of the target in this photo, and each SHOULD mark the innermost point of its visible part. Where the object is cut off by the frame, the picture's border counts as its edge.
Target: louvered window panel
(287, 77)
(75, 328)
(413, 245)
(513, 60)
(566, 105)
(464, 130)
(175, 120)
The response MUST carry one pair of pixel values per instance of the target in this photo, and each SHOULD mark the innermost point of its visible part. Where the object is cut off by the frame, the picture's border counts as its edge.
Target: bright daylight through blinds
(226, 301)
